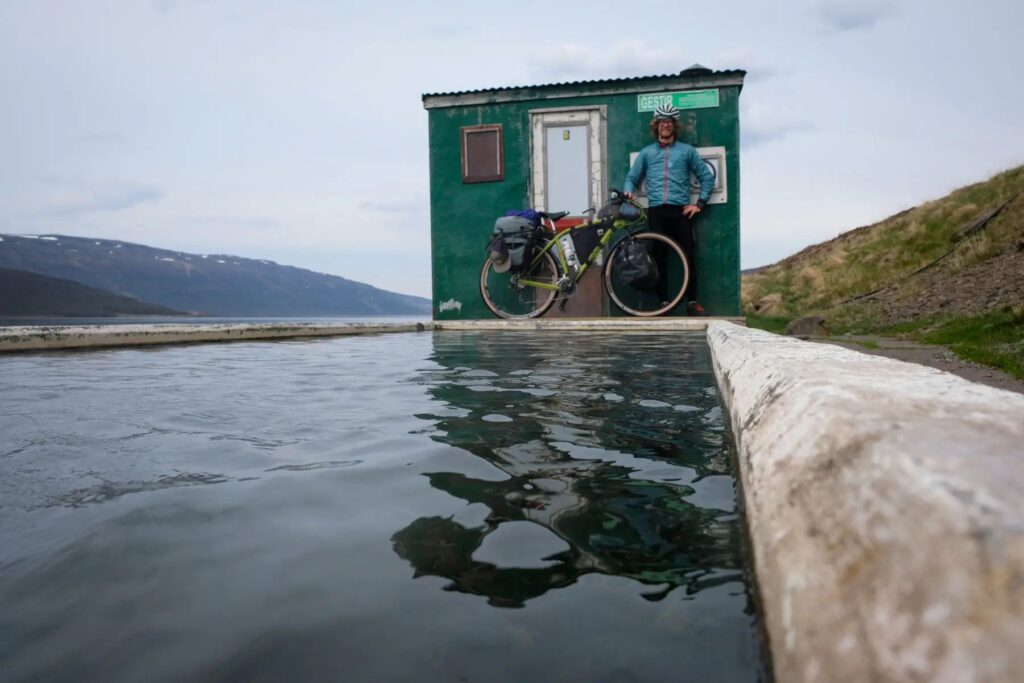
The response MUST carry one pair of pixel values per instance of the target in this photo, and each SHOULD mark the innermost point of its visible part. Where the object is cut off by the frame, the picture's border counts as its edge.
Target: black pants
(668, 219)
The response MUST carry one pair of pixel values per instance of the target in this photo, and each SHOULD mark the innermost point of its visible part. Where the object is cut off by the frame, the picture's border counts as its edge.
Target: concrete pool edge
(55, 337)
(41, 338)
(883, 502)
(695, 324)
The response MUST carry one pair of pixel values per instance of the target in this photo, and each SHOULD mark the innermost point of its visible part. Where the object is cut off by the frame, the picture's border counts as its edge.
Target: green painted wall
(462, 215)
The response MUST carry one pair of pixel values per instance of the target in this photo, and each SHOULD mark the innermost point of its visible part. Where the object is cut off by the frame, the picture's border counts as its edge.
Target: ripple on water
(653, 403)
(306, 467)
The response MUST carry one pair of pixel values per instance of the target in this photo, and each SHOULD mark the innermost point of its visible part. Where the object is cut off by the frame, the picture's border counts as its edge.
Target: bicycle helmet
(666, 111)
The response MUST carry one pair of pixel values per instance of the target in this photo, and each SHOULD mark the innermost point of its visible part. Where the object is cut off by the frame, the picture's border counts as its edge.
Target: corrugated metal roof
(695, 71)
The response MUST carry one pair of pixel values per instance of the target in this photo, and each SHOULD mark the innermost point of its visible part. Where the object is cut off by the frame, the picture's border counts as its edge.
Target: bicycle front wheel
(659, 298)
(508, 297)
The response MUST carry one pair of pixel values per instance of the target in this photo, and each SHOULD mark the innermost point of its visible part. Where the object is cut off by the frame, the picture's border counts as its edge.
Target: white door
(567, 159)
(566, 168)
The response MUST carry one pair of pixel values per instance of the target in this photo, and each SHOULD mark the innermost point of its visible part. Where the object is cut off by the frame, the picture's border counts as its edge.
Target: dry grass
(819, 278)
(965, 212)
(972, 251)
(970, 297)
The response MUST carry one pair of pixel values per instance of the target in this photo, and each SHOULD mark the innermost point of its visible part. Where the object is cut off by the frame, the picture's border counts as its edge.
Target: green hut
(560, 147)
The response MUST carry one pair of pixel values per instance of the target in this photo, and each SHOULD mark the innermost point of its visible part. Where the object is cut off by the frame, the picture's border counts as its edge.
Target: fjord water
(478, 506)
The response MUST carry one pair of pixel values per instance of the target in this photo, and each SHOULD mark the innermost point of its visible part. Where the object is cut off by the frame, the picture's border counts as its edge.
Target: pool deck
(42, 338)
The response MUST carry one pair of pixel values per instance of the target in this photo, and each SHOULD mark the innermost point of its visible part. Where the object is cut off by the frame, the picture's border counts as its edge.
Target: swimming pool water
(450, 506)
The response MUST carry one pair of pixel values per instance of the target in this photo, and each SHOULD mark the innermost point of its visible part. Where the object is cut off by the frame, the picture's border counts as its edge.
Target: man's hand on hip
(691, 210)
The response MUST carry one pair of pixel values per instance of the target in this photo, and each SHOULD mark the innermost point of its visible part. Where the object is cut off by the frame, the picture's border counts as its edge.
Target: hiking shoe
(694, 308)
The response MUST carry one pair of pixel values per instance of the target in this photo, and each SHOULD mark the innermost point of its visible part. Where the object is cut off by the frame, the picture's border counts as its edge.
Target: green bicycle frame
(563, 265)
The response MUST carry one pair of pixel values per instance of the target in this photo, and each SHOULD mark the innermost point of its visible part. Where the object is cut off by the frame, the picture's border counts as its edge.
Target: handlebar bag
(618, 208)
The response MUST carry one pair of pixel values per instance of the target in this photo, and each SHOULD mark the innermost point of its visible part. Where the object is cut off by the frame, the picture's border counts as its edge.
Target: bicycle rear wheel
(507, 297)
(649, 301)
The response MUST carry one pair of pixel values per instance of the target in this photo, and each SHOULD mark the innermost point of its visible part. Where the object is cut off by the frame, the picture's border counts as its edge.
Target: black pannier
(512, 243)
(635, 266)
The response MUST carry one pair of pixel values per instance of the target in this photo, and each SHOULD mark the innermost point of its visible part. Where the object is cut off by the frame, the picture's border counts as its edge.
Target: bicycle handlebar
(617, 194)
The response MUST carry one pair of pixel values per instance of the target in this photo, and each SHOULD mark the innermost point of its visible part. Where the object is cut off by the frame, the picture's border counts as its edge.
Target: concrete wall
(885, 502)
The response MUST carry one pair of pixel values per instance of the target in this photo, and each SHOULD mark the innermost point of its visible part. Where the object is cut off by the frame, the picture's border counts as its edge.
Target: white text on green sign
(690, 99)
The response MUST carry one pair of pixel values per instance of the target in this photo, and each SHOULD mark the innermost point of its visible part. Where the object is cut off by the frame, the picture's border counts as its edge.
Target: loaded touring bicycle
(529, 265)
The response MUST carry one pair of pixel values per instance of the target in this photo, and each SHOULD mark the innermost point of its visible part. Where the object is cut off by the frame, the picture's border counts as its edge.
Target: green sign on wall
(690, 99)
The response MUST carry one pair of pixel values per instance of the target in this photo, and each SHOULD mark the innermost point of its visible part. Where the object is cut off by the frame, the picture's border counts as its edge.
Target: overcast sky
(293, 130)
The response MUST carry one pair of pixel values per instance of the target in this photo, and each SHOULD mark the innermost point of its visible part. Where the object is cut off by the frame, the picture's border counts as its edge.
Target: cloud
(105, 138)
(627, 58)
(405, 207)
(164, 6)
(852, 15)
(581, 61)
(762, 123)
(760, 133)
(94, 197)
(758, 69)
(232, 222)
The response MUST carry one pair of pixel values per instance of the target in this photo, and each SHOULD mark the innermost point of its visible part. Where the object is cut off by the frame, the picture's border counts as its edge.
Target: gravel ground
(991, 285)
(933, 356)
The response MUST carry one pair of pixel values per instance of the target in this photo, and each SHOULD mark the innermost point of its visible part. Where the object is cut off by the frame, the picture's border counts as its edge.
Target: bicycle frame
(563, 264)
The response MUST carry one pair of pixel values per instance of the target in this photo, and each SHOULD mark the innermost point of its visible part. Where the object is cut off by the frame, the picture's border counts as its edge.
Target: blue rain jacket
(667, 169)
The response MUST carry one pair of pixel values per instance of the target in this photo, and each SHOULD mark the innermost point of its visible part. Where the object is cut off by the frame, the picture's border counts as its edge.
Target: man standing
(667, 165)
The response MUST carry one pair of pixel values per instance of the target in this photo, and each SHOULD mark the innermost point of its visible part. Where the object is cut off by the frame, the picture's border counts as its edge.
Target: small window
(483, 157)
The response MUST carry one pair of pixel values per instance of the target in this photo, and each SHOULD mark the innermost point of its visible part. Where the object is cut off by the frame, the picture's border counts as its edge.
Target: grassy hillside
(949, 271)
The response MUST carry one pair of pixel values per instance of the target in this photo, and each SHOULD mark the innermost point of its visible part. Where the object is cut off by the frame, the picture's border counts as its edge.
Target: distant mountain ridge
(210, 284)
(29, 294)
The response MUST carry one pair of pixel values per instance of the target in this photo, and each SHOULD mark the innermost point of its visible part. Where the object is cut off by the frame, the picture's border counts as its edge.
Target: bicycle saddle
(553, 216)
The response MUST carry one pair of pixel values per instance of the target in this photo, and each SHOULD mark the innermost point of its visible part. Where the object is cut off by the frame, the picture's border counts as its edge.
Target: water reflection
(604, 450)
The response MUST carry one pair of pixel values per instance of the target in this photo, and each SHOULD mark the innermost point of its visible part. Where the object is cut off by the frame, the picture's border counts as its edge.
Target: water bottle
(569, 249)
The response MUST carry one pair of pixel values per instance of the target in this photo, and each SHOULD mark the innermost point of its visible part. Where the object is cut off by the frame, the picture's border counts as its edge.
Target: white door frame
(595, 117)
